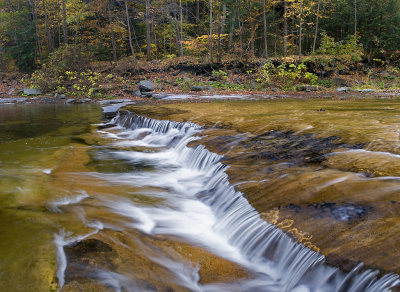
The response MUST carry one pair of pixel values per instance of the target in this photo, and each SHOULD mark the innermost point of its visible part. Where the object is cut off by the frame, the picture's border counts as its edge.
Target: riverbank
(188, 96)
(278, 78)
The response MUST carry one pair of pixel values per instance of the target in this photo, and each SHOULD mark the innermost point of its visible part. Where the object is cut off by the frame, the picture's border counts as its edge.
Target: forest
(72, 33)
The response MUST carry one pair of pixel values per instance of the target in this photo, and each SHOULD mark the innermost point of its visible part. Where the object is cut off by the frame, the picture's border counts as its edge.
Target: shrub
(65, 59)
(219, 74)
(286, 74)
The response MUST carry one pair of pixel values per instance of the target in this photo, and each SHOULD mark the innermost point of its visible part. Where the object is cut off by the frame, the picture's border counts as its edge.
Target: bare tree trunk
(34, 17)
(155, 40)
(220, 28)
(178, 42)
(265, 31)
(300, 28)
(252, 31)
(181, 33)
(148, 27)
(49, 40)
(112, 33)
(178, 37)
(316, 26)
(197, 11)
(240, 28)
(211, 32)
(355, 17)
(128, 23)
(223, 19)
(232, 29)
(1, 57)
(285, 28)
(65, 31)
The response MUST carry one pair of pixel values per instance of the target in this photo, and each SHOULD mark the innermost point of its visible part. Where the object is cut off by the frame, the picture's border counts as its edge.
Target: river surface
(141, 205)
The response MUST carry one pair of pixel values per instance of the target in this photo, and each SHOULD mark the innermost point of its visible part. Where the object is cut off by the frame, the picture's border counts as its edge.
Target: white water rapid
(196, 202)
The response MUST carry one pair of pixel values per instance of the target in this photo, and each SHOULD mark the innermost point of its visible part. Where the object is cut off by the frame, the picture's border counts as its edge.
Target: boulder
(63, 96)
(32, 91)
(198, 88)
(146, 86)
(340, 82)
(137, 93)
(112, 110)
(385, 74)
(70, 100)
(12, 90)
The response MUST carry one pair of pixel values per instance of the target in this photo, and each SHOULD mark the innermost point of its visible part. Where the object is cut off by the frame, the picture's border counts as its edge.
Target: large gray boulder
(32, 91)
(146, 86)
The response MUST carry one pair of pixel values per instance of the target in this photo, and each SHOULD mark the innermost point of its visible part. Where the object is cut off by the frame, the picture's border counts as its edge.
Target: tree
(128, 23)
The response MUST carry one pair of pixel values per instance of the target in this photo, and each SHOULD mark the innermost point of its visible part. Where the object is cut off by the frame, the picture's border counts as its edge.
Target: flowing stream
(139, 205)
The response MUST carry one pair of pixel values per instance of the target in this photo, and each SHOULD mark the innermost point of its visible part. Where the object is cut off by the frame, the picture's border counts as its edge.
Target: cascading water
(200, 206)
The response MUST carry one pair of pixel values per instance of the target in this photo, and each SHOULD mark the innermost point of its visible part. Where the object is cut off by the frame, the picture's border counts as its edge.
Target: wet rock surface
(86, 257)
(340, 212)
(326, 173)
(287, 146)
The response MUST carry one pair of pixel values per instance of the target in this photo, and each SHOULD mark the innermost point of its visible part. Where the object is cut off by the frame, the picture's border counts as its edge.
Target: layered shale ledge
(290, 178)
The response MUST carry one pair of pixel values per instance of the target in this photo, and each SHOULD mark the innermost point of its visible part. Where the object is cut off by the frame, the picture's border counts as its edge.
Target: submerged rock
(87, 256)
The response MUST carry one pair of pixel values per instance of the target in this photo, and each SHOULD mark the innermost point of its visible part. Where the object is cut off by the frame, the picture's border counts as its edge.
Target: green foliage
(55, 71)
(311, 77)
(185, 83)
(219, 74)
(100, 52)
(346, 51)
(267, 70)
(22, 50)
(324, 83)
(291, 72)
(286, 74)
(69, 57)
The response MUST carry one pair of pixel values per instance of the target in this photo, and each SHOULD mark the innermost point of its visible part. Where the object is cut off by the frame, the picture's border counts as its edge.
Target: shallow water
(132, 207)
(33, 140)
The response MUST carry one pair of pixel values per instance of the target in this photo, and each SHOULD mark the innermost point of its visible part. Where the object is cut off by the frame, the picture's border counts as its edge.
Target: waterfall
(282, 263)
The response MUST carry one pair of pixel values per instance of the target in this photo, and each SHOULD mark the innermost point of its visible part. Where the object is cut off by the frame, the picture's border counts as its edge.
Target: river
(140, 204)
